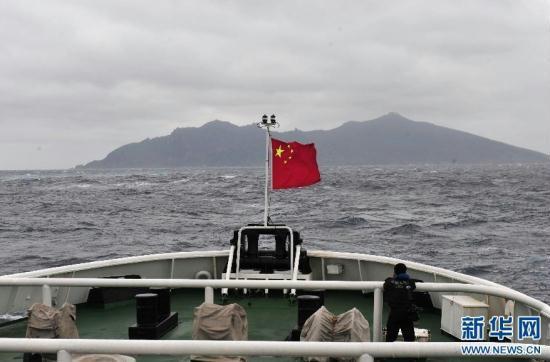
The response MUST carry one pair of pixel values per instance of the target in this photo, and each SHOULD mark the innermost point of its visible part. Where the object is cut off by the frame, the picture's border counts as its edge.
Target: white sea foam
(181, 181)
(11, 317)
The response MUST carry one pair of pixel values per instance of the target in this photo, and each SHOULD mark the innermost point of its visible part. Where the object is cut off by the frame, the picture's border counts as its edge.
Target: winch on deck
(286, 260)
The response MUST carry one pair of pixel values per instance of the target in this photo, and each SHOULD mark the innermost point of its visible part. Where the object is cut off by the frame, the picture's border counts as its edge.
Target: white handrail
(276, 284)
(262, 348)
(191, 283)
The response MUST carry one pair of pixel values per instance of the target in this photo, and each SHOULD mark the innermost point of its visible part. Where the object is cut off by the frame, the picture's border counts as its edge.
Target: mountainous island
(390, 139)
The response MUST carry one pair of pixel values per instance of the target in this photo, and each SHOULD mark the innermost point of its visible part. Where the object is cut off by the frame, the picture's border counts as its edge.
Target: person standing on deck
(398, 294)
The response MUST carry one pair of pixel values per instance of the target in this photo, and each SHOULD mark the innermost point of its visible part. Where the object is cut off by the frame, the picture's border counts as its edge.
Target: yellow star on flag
(279, 151)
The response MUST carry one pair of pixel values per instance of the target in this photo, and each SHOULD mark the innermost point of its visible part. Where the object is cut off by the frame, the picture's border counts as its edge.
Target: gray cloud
(80, 78)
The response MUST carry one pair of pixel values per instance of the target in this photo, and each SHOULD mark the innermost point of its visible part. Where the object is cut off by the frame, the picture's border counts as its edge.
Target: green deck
(269, 318)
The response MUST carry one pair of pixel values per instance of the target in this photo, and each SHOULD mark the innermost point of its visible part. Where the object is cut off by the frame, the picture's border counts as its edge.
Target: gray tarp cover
(48, 322)
(220, 323)
(323, 326)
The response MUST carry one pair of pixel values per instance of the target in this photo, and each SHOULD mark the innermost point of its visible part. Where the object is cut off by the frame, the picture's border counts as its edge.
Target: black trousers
(397, 322)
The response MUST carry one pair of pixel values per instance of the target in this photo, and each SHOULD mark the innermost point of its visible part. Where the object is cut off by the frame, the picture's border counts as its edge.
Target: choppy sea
(488, 221)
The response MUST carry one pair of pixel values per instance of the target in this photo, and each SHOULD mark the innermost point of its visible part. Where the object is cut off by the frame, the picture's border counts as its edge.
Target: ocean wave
(28, 257)
(536, 259)
(55, 229)
(120, 210)
(133, 184)
(405, 229)
(476, 242)
(350, 220)
(476, 270)
(53, 262)
(461, 223)
(372, 186)
(180, 181)
(88, 181)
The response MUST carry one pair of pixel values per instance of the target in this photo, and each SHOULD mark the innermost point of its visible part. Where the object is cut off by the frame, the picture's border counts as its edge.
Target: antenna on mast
(267, 123)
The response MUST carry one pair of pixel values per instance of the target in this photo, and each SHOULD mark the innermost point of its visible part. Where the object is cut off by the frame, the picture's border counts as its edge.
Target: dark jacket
(398, 294)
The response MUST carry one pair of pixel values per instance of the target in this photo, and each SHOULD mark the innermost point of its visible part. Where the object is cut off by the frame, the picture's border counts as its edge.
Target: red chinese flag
(293, 164)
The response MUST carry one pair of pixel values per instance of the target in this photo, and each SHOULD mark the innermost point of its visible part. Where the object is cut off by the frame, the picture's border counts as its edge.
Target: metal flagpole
(266, 210)
(267, 124)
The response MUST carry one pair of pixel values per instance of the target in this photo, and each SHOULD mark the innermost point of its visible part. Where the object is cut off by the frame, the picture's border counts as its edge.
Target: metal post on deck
(46, 295)
(225, 291)
(366, 358)
(209, 295)
(64, 356)
(296, 266)
(377, 315)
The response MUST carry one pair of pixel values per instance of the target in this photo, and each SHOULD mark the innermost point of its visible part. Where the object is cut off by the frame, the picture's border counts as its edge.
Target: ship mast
(267, 123)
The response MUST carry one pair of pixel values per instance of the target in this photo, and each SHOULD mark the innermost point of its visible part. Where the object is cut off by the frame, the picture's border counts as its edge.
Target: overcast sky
(80, 78)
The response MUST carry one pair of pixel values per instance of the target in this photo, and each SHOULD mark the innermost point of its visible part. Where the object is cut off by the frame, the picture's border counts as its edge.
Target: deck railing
(364, 351)
(241, 348)
(208, 284)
